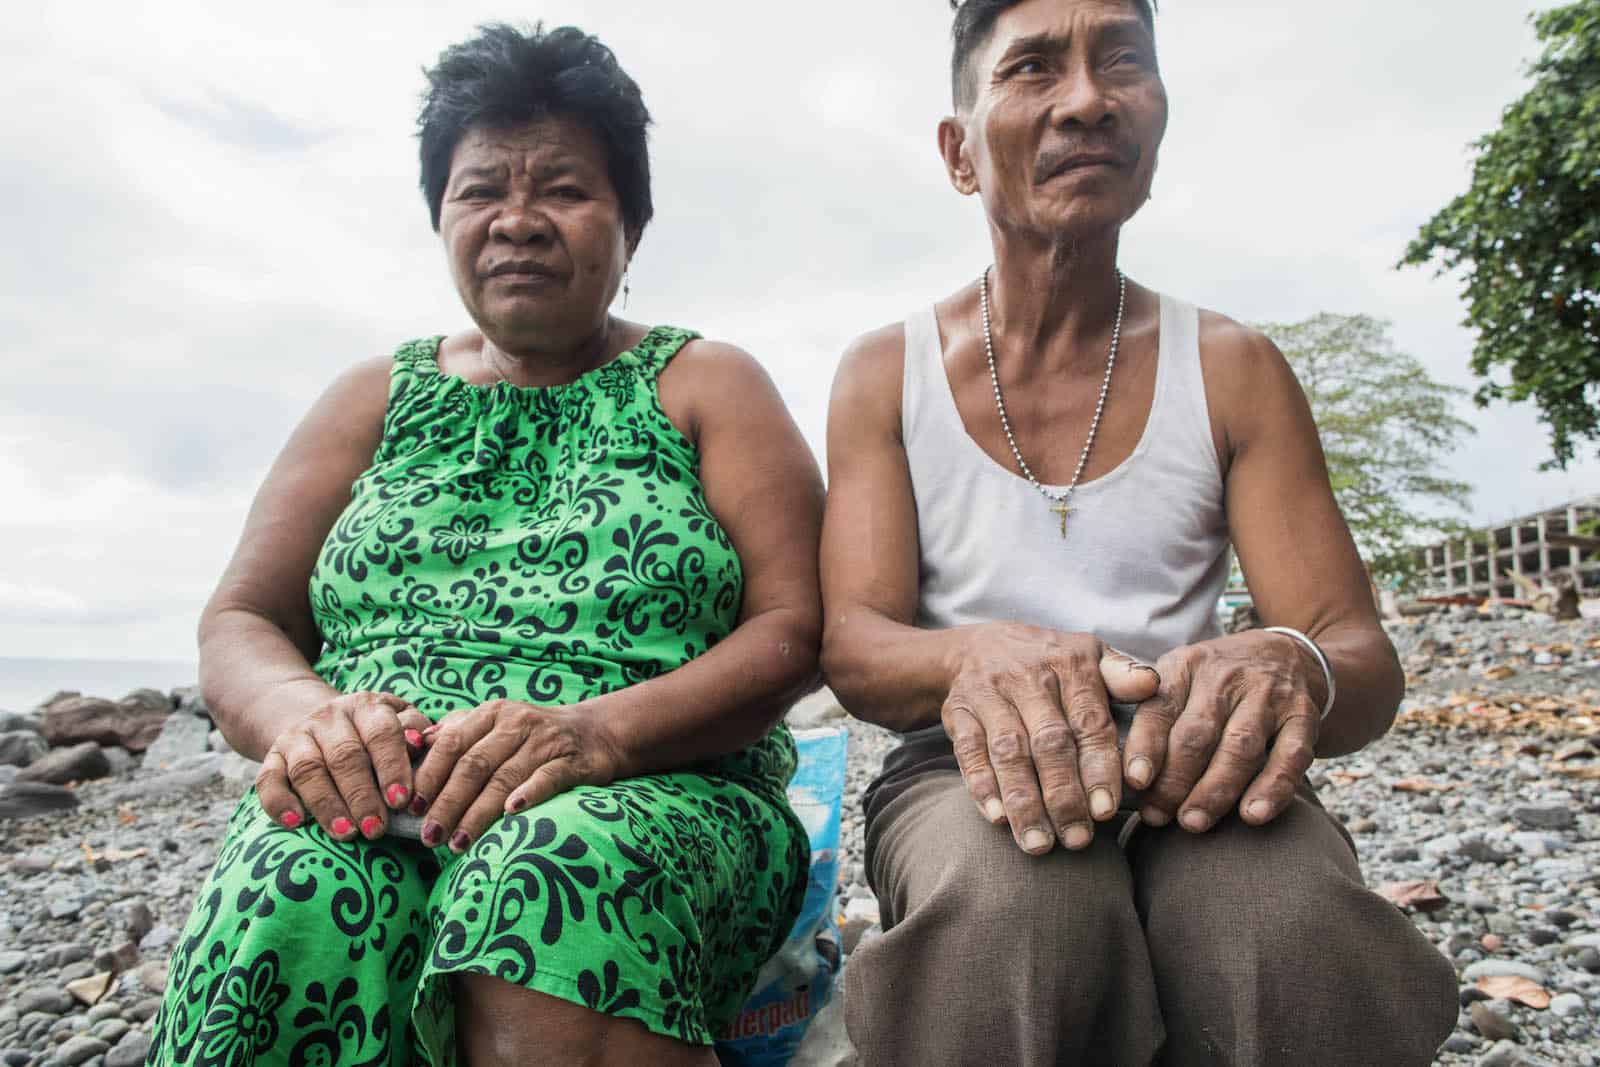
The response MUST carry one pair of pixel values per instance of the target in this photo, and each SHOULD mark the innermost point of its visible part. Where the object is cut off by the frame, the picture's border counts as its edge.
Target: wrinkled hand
(348, 763)
(1029, 717)
(1234, 717)
(502, 757)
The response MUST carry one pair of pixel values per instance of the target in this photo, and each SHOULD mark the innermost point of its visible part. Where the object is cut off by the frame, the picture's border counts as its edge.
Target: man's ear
(952, 146)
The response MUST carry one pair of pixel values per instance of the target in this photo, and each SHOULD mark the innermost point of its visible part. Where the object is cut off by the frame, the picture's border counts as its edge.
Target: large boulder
(23, 800)
(16, 720)
(18, 748)
(182, 736)
(134, 722)
(76, 763)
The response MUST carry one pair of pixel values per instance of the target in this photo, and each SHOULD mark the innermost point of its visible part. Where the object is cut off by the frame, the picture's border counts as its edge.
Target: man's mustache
(1057, 158)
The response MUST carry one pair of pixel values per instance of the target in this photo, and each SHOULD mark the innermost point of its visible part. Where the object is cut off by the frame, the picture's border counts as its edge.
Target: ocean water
(24, 682)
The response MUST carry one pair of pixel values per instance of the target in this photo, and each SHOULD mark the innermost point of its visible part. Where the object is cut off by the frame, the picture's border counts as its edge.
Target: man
(1033, 488)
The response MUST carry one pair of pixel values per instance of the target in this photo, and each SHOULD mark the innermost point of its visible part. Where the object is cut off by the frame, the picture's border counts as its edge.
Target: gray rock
(125, 957)
(24, 800)
(16, 720)
(188, 699)
(159, 937)
(235, 768)
(1503, 1054)
(1535, 844)
(11, 962)
(63, 905)
(79, 1049)
(133, 722)
(217, 743)
(137, 920)
(1587, 959)
(1490, 1023)
(63, 954)
(120, 759)
(1440, 847)
(75, 763)
(194, 771)
(8, 774)
(15, 1057)
(45, 1000)
(110, 1030)
(1566, 1005)
(1544, 816)
(130, 1051)
(18, 748)
(143, 1010)
(1495, 968)
(106, 1009)
(181, 736)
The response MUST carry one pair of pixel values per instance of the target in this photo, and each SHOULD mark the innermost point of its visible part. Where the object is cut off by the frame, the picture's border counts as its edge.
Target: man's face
(1067, 115)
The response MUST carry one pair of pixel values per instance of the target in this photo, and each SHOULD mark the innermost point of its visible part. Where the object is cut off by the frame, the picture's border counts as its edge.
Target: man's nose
(1081, 100)
(521, 223)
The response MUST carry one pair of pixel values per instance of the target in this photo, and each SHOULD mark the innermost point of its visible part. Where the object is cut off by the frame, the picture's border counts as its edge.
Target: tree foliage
(1386, 427)
(1526, 236)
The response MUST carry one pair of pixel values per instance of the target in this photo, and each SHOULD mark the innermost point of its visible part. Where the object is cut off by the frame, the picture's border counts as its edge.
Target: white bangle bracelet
(1327, 670)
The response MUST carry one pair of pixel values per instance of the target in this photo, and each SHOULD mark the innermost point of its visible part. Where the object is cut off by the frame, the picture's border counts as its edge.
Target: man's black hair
(974, 23)
(505, 76)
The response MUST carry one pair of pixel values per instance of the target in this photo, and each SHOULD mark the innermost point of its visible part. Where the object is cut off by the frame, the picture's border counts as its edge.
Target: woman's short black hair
(974, 23)
(505, 76)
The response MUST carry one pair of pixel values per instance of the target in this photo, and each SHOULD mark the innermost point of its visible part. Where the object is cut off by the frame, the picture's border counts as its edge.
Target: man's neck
(1052, 303)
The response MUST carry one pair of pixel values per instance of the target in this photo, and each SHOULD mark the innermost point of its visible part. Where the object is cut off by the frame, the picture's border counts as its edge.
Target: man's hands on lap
(1029, 717)
(1235, 722)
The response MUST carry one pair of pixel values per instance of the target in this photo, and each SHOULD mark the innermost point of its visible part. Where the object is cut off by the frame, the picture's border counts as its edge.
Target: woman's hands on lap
(503, 757)
(1235, 717)
(348, 764)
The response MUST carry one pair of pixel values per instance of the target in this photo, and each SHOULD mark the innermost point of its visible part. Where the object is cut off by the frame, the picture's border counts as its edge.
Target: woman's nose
(521, 224)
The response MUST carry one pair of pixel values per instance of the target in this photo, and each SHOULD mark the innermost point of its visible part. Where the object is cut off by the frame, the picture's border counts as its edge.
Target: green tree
(1526, 236)
(1386, 426)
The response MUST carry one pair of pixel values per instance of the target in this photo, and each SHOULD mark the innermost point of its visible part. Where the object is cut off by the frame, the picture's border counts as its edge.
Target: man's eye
(1028, 66)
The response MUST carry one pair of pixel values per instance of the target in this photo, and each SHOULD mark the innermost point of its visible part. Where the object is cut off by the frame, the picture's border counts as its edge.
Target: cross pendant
(1060, 508)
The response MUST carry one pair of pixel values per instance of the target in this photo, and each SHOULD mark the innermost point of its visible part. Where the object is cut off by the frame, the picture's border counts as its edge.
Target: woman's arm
(763, 486)
(257, 637)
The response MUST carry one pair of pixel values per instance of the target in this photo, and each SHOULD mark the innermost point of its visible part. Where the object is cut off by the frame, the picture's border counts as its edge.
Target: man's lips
(1055, 165)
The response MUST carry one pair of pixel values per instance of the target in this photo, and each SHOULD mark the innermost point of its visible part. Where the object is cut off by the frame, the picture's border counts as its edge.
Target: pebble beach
(1478, 815)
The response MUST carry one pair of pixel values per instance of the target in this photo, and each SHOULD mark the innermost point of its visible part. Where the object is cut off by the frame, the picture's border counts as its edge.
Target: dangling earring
(624, 286)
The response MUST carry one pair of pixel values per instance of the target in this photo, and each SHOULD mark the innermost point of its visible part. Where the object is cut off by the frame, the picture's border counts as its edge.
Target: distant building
(1539, 547)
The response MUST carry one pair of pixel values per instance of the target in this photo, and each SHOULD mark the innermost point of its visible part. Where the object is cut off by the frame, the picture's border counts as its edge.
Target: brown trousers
(1242, 946)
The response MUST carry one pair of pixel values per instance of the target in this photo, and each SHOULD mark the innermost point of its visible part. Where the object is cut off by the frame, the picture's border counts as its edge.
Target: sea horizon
(26, 681)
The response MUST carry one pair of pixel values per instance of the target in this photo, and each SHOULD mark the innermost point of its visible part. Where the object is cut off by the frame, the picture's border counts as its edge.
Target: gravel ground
(1485, 796)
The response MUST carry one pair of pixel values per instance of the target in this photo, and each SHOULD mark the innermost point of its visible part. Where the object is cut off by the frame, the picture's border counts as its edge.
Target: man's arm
(1025, 707)
(1241, 715)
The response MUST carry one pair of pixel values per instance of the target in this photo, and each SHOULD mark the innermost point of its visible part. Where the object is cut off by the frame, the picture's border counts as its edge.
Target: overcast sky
(212, 208)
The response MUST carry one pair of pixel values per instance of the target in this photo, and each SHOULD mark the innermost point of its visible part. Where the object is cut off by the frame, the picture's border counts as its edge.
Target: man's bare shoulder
(865, 402)
(1236, 358)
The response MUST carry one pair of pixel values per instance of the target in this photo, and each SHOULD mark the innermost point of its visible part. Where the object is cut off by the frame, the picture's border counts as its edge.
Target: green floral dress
(546, 545)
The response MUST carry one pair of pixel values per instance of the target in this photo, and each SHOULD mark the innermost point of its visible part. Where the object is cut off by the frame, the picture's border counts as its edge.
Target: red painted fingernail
(398, 795)
(419, 804)
(371, 826)
(518, 803)
(431, 833)
(290, 820)
(342, 826)
(460, 841)
(413, 739)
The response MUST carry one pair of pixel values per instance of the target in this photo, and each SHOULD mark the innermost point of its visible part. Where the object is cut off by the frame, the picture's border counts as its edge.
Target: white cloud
(214, 209)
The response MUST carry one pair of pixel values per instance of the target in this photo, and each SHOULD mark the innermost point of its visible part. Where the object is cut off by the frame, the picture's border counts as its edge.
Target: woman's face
(534, 233)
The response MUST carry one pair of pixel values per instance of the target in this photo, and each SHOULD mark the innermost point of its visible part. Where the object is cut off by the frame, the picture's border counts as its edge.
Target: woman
(571, 560)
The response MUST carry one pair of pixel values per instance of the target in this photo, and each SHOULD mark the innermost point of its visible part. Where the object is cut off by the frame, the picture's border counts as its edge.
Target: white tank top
(1146, 552)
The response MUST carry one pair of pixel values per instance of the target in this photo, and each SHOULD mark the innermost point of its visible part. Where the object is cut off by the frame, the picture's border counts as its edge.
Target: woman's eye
(568, 192)
(476, 192)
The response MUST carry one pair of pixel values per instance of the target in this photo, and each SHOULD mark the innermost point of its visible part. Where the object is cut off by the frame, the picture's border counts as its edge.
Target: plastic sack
(796, 983)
